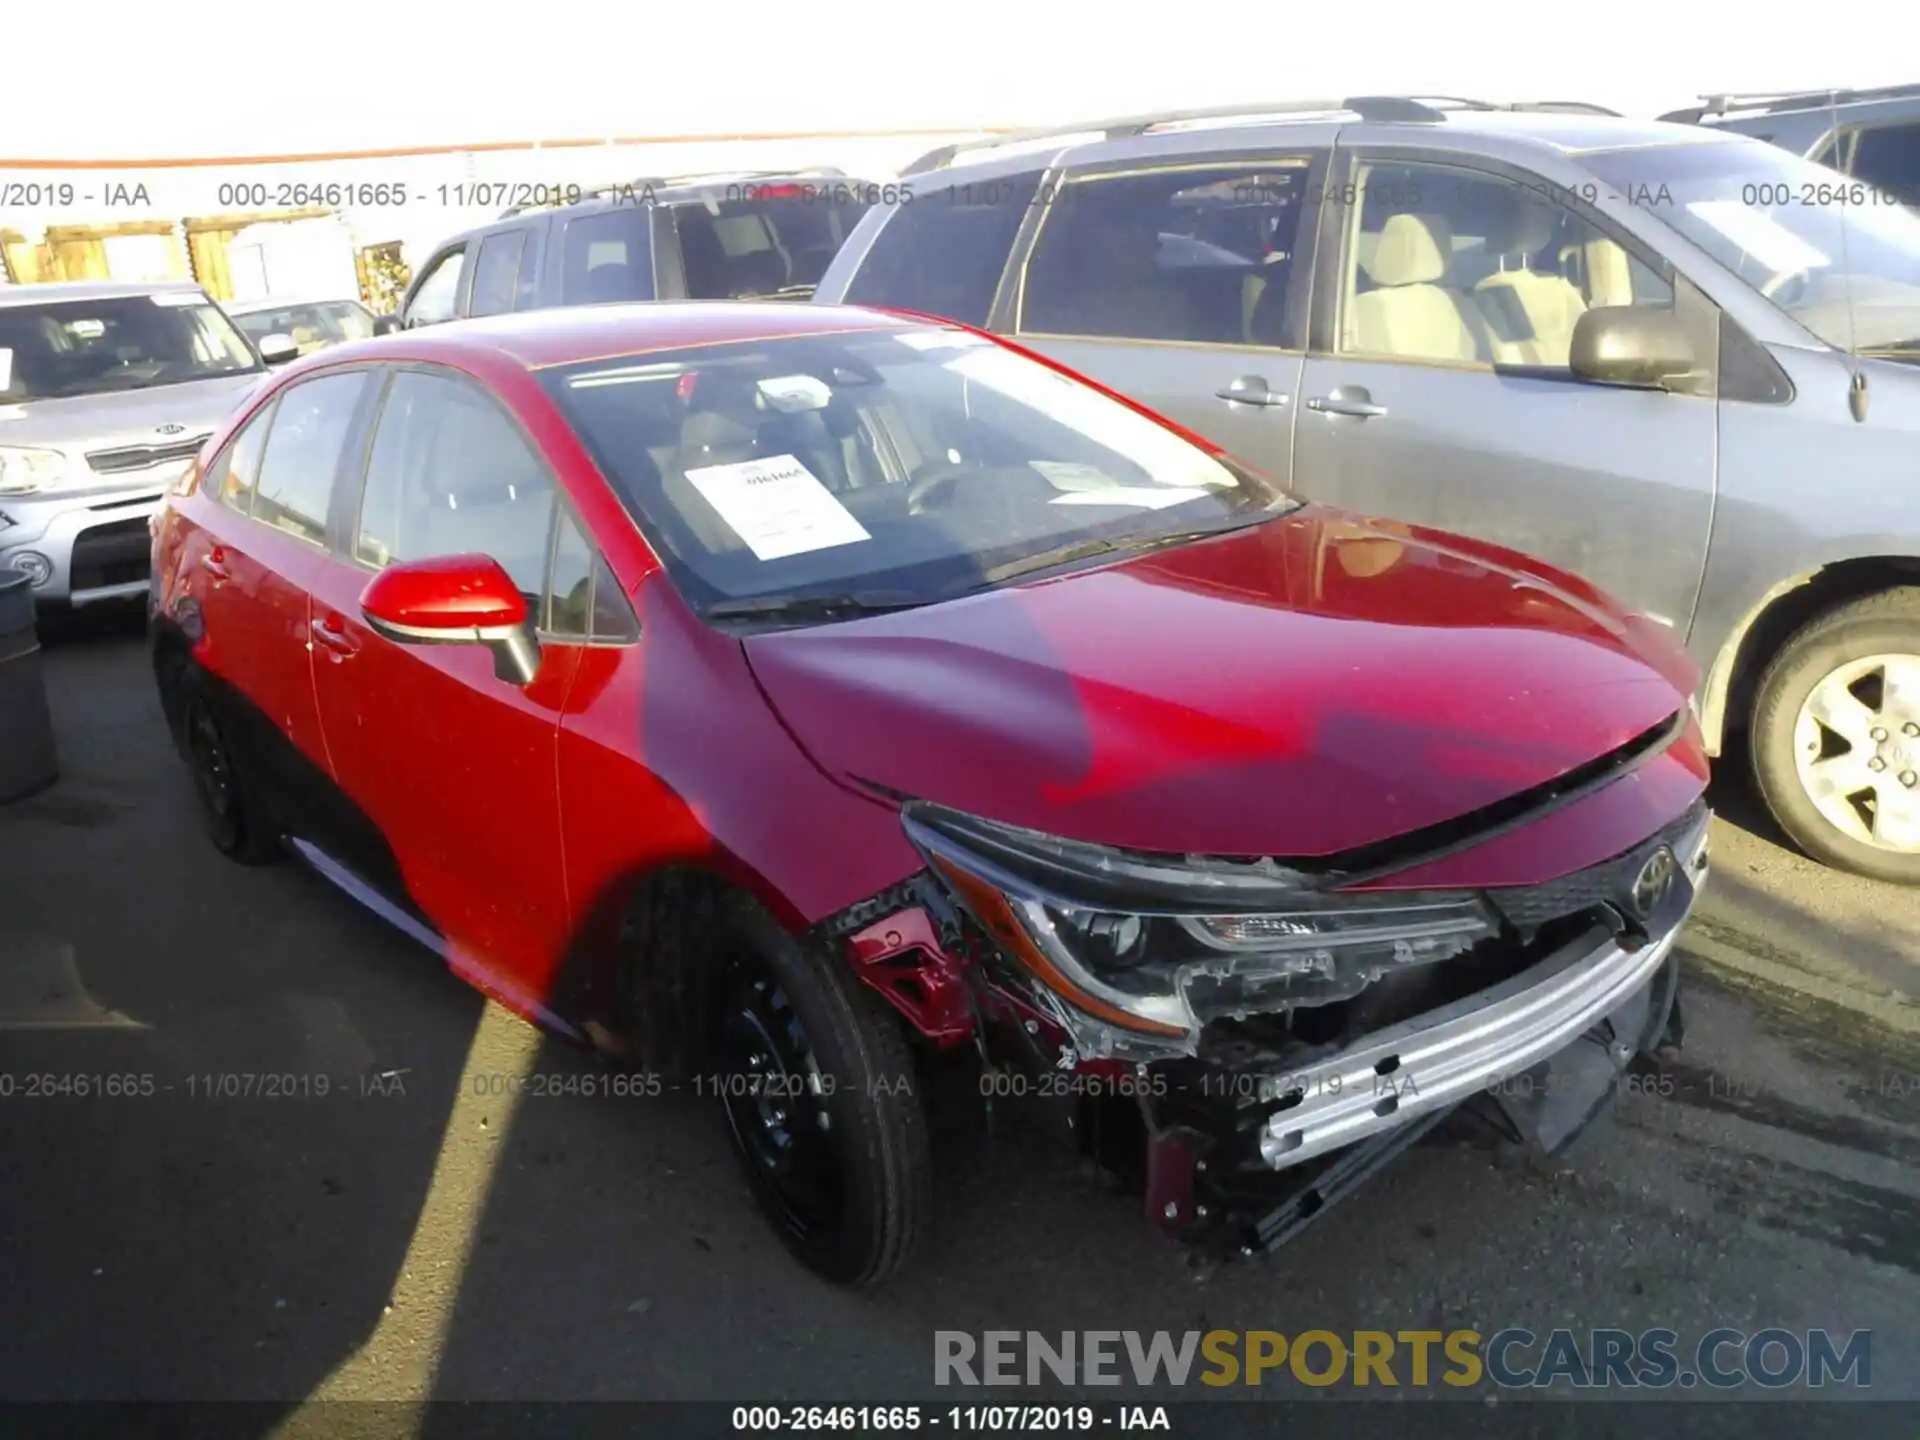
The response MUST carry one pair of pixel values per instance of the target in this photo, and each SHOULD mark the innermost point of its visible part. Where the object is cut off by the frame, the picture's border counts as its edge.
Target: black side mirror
(1631, 345)
(386, 324)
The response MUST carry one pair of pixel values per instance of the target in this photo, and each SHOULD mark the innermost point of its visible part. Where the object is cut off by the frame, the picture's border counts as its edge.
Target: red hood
(1314, 684)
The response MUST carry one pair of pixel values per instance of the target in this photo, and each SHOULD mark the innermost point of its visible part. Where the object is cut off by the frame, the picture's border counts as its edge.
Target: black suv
(705, 237)
(1872, 135)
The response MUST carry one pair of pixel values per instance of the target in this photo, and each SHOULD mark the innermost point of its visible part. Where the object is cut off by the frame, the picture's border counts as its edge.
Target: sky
(271, 78)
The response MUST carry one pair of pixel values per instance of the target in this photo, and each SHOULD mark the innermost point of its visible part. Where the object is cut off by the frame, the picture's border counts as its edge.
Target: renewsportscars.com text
(1511, 1358)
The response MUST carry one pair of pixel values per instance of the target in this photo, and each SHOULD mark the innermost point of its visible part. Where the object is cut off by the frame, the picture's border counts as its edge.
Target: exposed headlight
(30, 472)
(1161, 945)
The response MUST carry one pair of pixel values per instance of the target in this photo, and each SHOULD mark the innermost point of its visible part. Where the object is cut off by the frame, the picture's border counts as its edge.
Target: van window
(771, 239)
(439, 292)
(604, 258)
(1201, 254)
(943, 252)
(496, 273)
(1888, 157)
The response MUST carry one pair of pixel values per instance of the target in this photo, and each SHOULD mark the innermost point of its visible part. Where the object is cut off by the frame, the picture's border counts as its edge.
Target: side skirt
(463, 965)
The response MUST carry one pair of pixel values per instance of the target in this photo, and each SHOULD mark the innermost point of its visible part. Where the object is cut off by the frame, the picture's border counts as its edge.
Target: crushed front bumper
(1471, 1047)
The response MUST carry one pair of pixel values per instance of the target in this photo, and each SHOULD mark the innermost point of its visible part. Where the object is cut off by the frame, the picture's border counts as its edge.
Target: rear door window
(310, 427)
(604, 258)
(496, 273)
(765, 240)
(943, 252)
(231, 477)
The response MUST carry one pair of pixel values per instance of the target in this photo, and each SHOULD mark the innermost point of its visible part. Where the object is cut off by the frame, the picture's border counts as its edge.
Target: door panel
(1182, 383)
(1441, 394)
(1183, 284)
(259, 553)
(455, 768)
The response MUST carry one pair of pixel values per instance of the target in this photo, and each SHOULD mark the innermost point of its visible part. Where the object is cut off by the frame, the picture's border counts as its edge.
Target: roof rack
(1408, 109)
(678, 182)
(1772, 101)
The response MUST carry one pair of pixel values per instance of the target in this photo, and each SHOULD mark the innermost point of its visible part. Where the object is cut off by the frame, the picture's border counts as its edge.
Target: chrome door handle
(1355, 402)
(214, 568)
(1251, 390)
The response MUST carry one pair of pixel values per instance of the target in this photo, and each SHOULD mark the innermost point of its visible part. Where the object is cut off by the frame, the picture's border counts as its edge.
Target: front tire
(1836, 737)
(823, 1104)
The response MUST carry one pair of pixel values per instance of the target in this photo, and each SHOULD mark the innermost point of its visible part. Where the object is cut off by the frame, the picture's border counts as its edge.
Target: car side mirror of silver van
(1632, 345)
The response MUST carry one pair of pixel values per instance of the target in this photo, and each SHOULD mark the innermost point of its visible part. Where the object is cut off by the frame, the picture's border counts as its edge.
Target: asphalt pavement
(412, 1233)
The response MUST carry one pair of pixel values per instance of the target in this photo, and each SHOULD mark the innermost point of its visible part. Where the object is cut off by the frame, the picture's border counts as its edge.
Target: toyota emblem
(169, 429)
(1653, 882)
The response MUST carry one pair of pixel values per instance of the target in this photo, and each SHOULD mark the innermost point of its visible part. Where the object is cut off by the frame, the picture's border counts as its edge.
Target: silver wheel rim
(1856, 746)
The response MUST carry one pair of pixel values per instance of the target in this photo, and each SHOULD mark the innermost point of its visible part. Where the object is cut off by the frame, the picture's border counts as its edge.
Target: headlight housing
(25, 471)
(1155, 947)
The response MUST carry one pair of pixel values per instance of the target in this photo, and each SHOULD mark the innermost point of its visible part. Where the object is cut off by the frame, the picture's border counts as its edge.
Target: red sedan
(803, 702)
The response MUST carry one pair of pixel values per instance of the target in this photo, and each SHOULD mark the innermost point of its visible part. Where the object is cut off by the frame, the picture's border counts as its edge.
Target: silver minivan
(106, 392)
(1680, 363)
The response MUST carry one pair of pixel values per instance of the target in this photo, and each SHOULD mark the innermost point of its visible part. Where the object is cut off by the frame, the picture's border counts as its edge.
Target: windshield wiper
(1119, 545)
(815, 607)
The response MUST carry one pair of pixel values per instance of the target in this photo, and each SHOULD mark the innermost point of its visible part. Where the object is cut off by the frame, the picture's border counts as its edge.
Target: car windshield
(128, 342)
(309, 326)
(885, 467)
(1838, 255)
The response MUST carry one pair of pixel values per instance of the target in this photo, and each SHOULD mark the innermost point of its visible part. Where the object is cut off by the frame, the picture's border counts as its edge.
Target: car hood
(122, 418)
(1298, 688)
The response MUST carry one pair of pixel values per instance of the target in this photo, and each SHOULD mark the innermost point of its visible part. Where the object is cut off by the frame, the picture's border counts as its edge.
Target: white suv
(106, 393)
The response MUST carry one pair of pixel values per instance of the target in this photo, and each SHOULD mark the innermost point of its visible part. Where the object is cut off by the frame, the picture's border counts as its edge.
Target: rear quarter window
(944, 251)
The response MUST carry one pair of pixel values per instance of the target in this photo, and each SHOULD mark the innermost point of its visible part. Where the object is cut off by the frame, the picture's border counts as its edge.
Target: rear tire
(821, 1097)
(230, 809)
(1835, 737)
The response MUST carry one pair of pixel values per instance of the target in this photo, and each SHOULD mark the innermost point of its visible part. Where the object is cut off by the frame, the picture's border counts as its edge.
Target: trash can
(27, 760)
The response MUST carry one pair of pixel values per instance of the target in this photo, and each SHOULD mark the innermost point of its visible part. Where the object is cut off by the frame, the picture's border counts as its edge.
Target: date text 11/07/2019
(961, 1419)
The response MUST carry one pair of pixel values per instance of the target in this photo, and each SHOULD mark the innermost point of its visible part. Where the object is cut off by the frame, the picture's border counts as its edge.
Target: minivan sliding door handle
(1354, 400)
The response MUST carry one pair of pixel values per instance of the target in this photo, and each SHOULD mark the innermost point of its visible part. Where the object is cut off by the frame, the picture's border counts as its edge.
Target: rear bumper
(1439, 1059)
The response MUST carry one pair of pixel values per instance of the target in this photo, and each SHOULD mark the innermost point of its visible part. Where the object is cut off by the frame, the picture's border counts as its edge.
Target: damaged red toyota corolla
(815, 701)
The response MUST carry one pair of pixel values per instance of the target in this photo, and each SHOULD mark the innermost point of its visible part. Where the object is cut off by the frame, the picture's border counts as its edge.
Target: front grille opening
(116, 554)
(1300, 1036)
(139, 457)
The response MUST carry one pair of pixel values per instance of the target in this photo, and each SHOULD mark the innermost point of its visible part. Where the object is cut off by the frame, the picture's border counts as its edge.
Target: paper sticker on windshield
(1150, 497)
(173, 299)
(1072, 475)
(1760, 235)
(940, 339)
(793, 394)
(777, 506)
(6, 369)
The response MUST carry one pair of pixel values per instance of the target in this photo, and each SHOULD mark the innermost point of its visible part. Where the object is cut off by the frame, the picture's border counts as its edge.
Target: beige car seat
(1530, 314)
(1413, 312)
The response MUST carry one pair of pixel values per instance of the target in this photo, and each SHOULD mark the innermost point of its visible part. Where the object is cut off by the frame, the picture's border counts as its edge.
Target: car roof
(1565, 130)
(537, 339)
(55, 292)
(287, 302)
